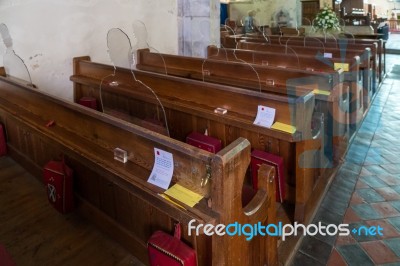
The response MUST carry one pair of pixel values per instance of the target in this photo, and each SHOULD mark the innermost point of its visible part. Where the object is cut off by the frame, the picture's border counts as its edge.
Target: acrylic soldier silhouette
(14, 66)
(119, 48)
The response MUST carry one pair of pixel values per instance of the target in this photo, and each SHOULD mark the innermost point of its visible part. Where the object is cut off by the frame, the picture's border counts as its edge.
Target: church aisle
(366, 190)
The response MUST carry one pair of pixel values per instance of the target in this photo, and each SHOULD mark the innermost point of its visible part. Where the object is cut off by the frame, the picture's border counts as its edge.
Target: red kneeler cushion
(5, 258)
(3, 147)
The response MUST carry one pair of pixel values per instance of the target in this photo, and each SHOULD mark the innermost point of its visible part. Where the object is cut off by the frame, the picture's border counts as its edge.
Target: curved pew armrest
(257, 208)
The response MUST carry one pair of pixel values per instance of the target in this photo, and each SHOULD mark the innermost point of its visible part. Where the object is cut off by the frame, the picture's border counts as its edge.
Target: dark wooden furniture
(287, 31)
(287, 58)
(299, 57)
(378, 48)
(309, 9)
(287, 81)
(357, 20)
(117, 197)
(190, 105)
(372, 36)
(368, 64)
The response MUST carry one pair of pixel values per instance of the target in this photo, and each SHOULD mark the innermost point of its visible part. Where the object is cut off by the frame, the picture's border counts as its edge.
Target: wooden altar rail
(117, 197)
(308, 61)
(190, 104)
(378, 47)
(287, 81)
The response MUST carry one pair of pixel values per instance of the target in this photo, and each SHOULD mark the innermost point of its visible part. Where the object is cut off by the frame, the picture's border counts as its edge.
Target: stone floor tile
(361, 184)
(366, 135)
(301, 259)
(355, 255)
(396, 188)
(351, 217)
(393, 158)
(395, 221)
(345, 184)
(373, 181)
(379, 252)
(391, 180)
(391, 168)
(326, 216)
(316, 249)
(385, 209)
(351, 167)
(356, 159)
(388, 230)
(375, 115)
(395, 204)
(381, 142)
(345, 240)
(394, 245)
(368, 127)
(341, 190)
(388, 193)
(356, 199)
(328, 239)
(365, 211)
(359, 147)
(370, 195)
(336, 259)
(372, 160)
(345, 175)
(376, 169)
(334, 204)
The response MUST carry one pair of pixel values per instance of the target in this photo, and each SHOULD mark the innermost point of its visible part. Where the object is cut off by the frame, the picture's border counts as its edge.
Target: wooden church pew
(334, 108)
(345, 44)
(367, 63)
(378, 53)
(117, 197)
(190, 105)
(307, 62)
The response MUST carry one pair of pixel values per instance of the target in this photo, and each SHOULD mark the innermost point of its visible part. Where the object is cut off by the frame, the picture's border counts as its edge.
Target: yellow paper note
(343, 66)
(284, 127)
(173, 202)
(322, 92)
(183, 195)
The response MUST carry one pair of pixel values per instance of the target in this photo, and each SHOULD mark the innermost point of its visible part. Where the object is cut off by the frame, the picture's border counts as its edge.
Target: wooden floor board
(36, 234)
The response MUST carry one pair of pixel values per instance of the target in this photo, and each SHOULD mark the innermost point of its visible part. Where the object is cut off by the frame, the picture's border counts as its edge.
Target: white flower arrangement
(326, 20)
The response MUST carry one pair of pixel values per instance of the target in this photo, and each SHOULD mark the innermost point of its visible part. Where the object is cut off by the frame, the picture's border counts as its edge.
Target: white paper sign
(163, 169)
(265, 116)
(327, 55)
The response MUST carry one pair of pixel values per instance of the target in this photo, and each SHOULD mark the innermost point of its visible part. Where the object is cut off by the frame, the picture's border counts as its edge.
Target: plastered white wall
(47, 34)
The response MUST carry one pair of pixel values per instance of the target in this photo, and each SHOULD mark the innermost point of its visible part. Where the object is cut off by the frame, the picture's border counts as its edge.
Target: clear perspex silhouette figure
(123, 55)
(14, 66)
